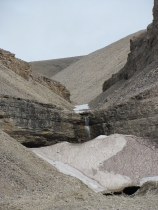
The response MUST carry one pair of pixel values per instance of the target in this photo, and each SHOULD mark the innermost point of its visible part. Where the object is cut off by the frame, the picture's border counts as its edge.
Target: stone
(54, 86)
(35, 124)
(128, 103)
(19, 66)
(24, 69)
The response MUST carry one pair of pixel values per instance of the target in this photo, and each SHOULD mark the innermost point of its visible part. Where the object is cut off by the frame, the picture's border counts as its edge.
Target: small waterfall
(87, 128)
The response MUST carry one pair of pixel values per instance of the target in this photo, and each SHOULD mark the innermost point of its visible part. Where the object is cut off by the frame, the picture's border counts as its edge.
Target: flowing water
(87, 128)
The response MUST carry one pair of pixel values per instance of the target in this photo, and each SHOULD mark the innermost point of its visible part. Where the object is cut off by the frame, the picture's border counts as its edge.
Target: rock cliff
(20, 67)
(54, 86)
(32, 112)
(35, 124)
(129, 103)
(24, 70)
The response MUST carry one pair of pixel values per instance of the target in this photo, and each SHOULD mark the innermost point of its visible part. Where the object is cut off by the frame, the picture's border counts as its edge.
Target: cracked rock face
(128, 104)
(35, 124)
(54, 86)
(20, 67)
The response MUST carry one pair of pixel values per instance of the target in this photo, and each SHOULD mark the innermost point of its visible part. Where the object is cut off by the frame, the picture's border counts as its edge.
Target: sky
(50, 29)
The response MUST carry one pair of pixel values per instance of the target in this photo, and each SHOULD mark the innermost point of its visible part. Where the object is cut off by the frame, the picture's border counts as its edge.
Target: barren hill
(49, 68)
(85, 77)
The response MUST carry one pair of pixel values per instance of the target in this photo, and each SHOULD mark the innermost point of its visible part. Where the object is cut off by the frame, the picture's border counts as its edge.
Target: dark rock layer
(36, 124)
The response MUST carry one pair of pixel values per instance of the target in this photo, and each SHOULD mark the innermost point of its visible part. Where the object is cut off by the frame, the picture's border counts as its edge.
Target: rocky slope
(54, 86)
(24, 70)
(88, 74)
(129, 103)
(14, 85)
(32, 113)
(49, 68)
(20, 67)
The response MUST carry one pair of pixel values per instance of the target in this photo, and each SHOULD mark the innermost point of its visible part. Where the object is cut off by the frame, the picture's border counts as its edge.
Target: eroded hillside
(49, 68)
(85, 77)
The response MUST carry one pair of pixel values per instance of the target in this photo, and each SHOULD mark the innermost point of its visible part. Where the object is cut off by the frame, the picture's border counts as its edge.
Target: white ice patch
(153, 178)
(83, 161)
(81, 108)
(101, 137)
(69, 170)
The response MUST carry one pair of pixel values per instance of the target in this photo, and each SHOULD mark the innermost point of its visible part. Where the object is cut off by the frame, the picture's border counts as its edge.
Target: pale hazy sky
(49, 29)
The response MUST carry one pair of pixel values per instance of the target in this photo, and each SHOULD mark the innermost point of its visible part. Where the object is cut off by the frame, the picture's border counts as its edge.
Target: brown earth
(49, 68)
(85, 77)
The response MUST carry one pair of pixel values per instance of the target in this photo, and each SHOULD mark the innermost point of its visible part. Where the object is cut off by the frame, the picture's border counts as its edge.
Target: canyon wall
(54, 86)
(35, 124)
(129, 102)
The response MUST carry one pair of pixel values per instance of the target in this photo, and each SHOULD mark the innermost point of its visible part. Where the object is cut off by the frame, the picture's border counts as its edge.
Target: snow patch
(145, 179)
(81, 108)
(69, 170)
(101, 137)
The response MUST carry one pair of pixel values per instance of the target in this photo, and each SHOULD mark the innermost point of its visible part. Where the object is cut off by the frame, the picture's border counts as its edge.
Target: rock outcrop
(24, 70)
(54, 86)
(143, 52)
(13, 85)
(129, 103)
(35, 124)
(20, 67)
